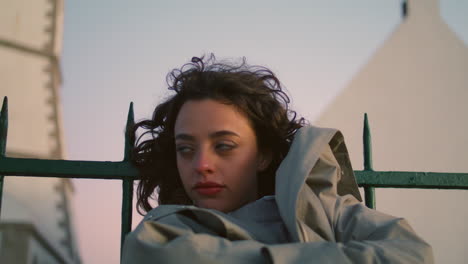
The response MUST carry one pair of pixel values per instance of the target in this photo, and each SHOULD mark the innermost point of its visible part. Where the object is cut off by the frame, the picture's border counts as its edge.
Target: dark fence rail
(123, 170)
(74, 169)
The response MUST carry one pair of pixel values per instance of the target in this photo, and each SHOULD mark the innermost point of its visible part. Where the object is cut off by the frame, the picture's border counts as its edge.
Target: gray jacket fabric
(315, 217)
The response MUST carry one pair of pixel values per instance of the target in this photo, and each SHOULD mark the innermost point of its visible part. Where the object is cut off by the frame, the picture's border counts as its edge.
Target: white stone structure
(415, 91)
(36, 219)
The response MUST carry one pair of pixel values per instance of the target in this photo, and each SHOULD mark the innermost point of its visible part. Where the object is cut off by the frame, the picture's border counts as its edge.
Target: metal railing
(105, 170)
(123, 170)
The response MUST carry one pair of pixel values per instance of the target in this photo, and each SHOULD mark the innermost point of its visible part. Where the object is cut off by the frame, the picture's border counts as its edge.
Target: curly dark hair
(254, 90)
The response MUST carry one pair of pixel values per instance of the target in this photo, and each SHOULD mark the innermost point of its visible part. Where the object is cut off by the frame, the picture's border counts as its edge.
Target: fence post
(3, 141)
(127, 183)
(369, 192)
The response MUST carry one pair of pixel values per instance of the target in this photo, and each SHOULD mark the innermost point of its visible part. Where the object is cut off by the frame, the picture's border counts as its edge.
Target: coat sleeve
(364, 235)
(173, 241)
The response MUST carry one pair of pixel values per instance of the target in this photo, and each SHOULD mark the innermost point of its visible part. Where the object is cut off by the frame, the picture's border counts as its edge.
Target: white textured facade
(414, 89)
(36, 218)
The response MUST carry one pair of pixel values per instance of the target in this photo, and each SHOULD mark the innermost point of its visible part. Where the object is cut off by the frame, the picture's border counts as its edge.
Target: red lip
(208, 188)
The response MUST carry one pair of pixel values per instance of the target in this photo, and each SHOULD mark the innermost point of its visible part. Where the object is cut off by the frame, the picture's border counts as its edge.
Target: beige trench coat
(315, 217)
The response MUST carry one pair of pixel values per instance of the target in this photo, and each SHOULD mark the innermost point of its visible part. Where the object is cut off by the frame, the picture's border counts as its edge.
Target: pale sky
(115, 53)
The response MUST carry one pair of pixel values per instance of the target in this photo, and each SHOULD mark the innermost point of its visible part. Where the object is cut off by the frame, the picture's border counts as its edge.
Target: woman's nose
(203, 162)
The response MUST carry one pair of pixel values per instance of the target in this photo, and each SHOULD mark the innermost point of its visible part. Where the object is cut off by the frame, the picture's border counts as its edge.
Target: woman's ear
(264, 161)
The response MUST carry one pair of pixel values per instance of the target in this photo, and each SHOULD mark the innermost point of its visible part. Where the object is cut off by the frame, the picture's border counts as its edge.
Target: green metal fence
(123, 170)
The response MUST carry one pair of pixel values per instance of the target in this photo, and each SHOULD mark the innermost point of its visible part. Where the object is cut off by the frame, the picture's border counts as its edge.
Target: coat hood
(317, 166)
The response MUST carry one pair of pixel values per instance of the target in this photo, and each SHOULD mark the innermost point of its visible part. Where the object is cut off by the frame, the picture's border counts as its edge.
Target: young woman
(240, 179)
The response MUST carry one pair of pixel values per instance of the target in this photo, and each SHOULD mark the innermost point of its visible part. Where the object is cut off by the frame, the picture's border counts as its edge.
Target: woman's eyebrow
(183, 136)
(223, 133)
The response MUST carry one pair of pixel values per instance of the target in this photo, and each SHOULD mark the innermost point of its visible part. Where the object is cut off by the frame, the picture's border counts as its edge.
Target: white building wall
(38, 254)
(33, 200)
(30, 46)
(24, 80)
(25, 21)
(414, 89)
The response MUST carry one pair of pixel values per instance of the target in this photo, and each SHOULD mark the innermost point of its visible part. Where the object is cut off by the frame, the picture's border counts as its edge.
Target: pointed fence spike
(367, 144)
(369, 192)
(127, 183)
(129, 135)
(3, 126)
(3, 140)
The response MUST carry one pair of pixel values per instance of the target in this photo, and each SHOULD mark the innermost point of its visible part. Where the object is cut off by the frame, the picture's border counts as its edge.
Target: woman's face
(217, 155)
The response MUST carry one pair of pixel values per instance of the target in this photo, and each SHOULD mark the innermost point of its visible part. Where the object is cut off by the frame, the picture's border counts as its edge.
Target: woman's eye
(225, 146)
(184, 149)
